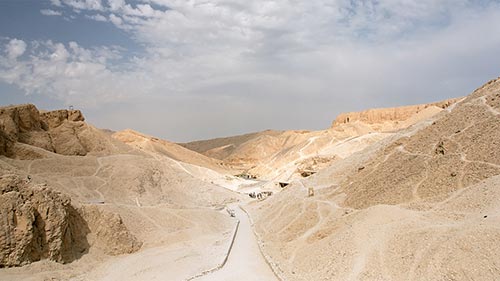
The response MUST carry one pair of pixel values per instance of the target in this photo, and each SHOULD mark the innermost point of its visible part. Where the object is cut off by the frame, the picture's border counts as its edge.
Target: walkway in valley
(245, 262)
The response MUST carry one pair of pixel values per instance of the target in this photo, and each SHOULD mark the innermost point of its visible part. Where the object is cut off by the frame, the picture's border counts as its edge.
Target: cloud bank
(247, 58)
(49, 12)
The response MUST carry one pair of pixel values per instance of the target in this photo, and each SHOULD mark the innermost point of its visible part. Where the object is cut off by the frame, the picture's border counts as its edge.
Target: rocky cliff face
(35, 224)
(54, 131)
(395, 114)
(38, 223)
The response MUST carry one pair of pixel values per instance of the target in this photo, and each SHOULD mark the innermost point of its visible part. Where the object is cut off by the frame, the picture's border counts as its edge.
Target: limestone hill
(287, 155)
(24, 129)
(406, 193)
(421, 204)
(76, 193)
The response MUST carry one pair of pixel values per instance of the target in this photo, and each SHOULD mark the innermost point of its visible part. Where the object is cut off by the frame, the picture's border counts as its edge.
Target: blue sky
(185, 70)
(23, 19)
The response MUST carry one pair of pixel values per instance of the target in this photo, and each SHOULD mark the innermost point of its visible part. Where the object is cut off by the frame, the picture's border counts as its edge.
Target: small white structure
(231, 212)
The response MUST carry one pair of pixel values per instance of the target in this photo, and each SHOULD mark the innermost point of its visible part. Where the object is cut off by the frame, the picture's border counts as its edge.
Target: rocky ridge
(59, 131)
(393, 114)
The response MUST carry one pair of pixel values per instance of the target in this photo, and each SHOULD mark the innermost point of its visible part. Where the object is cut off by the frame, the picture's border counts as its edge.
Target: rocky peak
(55, 131)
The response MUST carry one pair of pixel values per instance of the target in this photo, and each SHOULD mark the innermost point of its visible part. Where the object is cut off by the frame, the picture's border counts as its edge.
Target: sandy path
(245, 262)
(309, 142)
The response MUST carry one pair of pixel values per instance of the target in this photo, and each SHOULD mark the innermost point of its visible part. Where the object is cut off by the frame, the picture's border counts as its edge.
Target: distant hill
(169, 149)
(220, 148)
(282, 156)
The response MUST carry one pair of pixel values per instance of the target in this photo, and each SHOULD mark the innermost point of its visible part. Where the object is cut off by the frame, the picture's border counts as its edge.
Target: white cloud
(196, 45)
(116, 5)
(49, 12)
(97, 17)
(116, 20)
(83, 4)
(314, 57)
(70, 73)
(15, 48)
(56, 3)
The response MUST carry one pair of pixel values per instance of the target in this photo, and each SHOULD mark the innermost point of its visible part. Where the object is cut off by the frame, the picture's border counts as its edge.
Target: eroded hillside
(285, 156)
(405, 193)
(422, 204)
(109, 198)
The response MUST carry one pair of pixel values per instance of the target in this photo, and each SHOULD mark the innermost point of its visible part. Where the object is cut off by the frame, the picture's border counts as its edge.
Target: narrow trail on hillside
(245, 262)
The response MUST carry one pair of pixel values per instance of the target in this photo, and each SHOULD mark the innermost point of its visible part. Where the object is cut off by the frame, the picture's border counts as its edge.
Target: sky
(186, 70)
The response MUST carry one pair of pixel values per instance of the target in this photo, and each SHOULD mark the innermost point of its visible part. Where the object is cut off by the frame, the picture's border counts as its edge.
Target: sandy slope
(421, 204)
(172, 207)
(318, 240)
(283, 156)
(169, 149)
(170, 261)
(154, 207)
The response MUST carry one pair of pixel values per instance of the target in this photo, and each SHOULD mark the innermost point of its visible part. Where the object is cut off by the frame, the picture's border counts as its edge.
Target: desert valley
(405, 193)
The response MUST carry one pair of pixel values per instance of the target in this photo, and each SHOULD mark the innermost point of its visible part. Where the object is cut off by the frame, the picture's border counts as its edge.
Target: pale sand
(421, 204)
(387, 207)
(245, 261)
